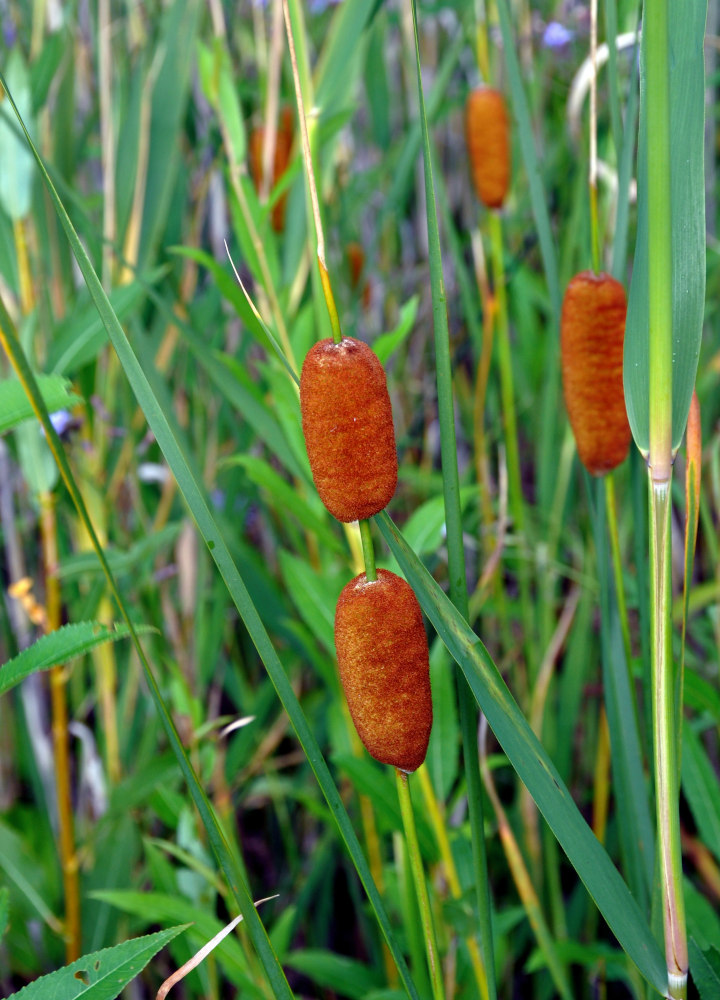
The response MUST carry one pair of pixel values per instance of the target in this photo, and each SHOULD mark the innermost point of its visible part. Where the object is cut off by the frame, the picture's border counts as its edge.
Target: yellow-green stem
(421, 890)
(368, 551)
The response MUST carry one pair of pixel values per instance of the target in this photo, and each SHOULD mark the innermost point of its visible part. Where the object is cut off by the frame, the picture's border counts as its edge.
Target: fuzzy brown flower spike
(487, 132)
(592, 332)
(348, 427)
(382, 654)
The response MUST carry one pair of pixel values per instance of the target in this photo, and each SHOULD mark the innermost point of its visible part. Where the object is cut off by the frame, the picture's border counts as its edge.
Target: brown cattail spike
(283, 146)
(382, 654)
(592, 331)
(487, 132)
(348, 427)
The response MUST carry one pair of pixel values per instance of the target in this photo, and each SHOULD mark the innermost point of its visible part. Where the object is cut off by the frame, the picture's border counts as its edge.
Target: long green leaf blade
(687, 178)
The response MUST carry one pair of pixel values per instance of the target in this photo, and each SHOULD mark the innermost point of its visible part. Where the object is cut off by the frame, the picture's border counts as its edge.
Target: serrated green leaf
(687, 177)
(15, 406)
(101, 975)
(59, 647)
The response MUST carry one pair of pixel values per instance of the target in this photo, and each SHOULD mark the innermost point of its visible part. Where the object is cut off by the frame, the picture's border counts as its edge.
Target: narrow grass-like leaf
(687, 179)
(101, 975)
(15, 406)
(454, 533)
(196, 500)
(337, 973)
(705, 970)
(533, 765)
(60, 646)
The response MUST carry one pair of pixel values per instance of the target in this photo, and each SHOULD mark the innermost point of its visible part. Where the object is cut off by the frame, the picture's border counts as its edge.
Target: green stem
(665, 743)
(453, 522)
(617, 567)
(507, 393)
(423, 898)
(368, 550)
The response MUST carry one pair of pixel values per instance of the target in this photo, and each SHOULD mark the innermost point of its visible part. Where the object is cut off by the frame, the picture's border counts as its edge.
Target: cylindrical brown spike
(592, 334)
(487, 132)
(348, 427)
(382, 654)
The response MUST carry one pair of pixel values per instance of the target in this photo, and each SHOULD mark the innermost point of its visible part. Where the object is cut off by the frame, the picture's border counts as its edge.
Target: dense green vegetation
(193, 752)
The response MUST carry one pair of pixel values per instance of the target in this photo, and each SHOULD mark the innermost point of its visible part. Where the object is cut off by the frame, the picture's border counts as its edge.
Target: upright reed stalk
(660, 273)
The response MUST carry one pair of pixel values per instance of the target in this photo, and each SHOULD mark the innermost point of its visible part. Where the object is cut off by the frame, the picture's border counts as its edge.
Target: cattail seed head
(487, 132)
(592, 331)
(283, 146)
(384, 667)
(348, 427)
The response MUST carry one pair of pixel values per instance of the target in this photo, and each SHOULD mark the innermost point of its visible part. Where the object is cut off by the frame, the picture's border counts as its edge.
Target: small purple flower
(556, 36)
(61, 421)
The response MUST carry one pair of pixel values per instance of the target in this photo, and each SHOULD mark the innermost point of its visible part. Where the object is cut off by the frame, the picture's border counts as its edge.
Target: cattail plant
(487, 133)
(592, 331)
(348, 427)
(382, 655)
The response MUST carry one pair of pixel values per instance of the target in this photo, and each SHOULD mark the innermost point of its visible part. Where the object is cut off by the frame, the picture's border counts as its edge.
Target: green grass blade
(687, 178)
(194, 496)
(453, 523)
(533, 765)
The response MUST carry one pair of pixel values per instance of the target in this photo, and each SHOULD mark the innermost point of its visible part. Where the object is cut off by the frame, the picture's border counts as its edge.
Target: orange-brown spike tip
(487, 132)
(348, 427)
(592, 330)
(382, 654)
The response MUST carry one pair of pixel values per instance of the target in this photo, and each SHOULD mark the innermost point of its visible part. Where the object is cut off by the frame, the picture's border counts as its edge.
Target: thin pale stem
(665, 743)
(421, 890)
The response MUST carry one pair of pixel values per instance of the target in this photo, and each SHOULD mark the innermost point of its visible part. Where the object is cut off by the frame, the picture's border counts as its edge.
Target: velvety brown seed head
(348, 427)
(487, 133)
(283, 146)
(592, 332)
(382, 655)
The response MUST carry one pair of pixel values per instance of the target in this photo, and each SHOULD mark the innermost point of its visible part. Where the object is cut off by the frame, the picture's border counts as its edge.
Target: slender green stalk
(507, 393)
(617, 565)
(665, 743)
(368, 551)
(423, 898)
(453, 523)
